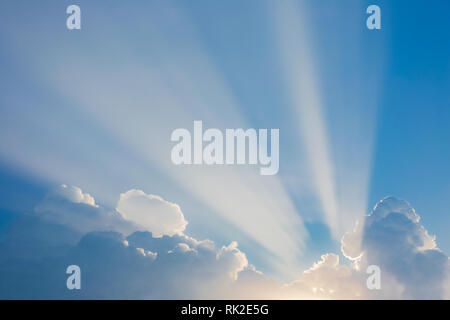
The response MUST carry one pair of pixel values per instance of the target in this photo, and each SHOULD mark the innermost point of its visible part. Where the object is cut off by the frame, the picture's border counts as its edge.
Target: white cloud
(328, 279)
(151, 213)
(147, 253)
(73, 194)
(392, 237)
(176, 266)
(233, 258)
(69, 206)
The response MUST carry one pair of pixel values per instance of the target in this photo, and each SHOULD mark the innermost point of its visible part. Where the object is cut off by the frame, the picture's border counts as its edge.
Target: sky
(85, 167)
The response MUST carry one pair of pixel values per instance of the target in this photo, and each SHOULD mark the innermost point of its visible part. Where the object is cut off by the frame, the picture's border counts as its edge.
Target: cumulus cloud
(112, 269)
(155, 259)
(236, 261)
(163, 263)
(151, 213)
(392, 237)
(72, 194)
(328, 279)
(69, 206)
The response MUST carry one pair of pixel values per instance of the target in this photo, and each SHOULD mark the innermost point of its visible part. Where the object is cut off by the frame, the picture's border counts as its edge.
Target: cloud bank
(151, 213)
(140, 251)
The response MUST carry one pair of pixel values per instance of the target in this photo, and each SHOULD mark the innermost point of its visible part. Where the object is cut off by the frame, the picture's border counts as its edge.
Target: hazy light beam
(300, 73)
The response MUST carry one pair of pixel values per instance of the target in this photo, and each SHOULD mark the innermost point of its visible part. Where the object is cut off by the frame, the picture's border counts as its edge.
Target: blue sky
(94, 108)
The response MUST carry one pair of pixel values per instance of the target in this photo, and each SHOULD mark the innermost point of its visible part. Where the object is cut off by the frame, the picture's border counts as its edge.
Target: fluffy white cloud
(392, 238)
(328, 279)
(233, 258)
(151, 213)
(162, 262)
(69, 206)
(73, 194)
(112, 269)
(64, 231)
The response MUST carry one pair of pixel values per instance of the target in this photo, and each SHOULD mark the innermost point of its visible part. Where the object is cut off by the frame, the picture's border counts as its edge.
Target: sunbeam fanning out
(139, 102)
(336, 113)
(224, 149)
(301, 79)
